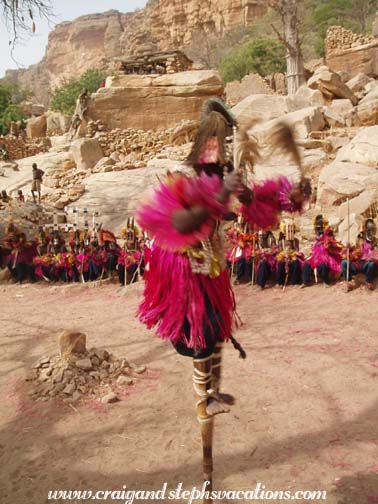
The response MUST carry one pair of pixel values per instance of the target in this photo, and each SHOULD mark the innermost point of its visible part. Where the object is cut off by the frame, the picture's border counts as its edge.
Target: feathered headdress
(282, 138)
(217, 105)
(216, 124)
(246, 147)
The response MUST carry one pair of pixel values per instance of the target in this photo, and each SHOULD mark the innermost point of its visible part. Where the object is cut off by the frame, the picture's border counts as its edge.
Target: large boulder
(345, 109)
(264, 107)
(251, 84)
(151, 101)
(367, 110)
(307, 97)
(363, 148)
(331, 85)
(358, 82)
(302, 121)
(355, 60)
(116, 195)
(342, 180)
(32, 109)
(332, 118)
(360, 204)
(36, 127)
(86, 153)
(352, 175)
(349, 228)
(57, 123)
(60, 143)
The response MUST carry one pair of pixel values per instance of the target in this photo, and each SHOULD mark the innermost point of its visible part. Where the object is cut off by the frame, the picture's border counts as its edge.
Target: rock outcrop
(153, 101)
(36, 127)
(115, 195)
(98, 38)
(351, 53)
(352, 175)
(262, 107)
(330, 85)
(251, 84)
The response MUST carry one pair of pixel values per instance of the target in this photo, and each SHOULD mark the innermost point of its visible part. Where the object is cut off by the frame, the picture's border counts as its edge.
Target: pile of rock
(78, 373)
(93, 127)
(146, 62)
(339, 38)
(131, 148)
(18, 147)
(174, 64)
(63, 197)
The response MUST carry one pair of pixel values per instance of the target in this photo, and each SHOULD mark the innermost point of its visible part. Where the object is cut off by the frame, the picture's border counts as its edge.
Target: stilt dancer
(188, 293)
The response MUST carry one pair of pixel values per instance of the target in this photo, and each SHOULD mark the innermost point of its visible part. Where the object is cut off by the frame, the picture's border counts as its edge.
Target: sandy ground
(306, 415)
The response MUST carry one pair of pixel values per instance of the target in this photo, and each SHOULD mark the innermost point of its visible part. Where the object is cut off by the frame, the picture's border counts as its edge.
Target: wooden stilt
(202, 375)
(348, 245)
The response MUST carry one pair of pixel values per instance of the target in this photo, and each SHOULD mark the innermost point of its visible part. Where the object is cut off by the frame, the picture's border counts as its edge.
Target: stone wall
(351, 53)
(18, 148)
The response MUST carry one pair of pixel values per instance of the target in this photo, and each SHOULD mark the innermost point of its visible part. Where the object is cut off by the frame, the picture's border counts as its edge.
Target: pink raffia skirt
(182, 304)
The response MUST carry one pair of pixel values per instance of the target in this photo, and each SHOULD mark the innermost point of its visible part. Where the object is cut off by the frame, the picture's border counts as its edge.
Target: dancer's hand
(187, 221)
(232, 182)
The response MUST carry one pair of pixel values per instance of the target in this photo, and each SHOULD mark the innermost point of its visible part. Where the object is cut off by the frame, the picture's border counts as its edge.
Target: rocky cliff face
(94, 40)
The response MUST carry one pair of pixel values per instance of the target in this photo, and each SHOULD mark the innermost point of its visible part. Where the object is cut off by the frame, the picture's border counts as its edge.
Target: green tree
(64, 97)
(261, 55)
(9, 111)
(5, 98)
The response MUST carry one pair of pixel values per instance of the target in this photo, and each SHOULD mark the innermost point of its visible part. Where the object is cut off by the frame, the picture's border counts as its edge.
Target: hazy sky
(32, 49)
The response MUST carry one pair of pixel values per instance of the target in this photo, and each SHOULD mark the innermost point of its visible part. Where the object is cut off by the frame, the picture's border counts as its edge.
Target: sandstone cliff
(94, 40)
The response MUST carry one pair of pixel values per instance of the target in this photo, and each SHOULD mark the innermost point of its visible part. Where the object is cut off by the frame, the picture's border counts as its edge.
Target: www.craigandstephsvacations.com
(187, 495)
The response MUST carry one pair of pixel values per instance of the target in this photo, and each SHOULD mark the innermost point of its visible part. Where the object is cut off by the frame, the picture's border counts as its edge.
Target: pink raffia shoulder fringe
(179, 193)
(175, 297)
(270, 198)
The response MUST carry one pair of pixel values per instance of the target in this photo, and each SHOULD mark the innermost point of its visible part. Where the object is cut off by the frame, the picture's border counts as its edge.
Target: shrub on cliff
(261, 55)
(64, 97)
(8, 111)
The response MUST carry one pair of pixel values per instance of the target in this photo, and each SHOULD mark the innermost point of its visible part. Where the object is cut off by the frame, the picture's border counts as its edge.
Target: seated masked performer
(111, 250)
(325, 254)
(241, 255)
(130, 256)
(234, 252)
(57, 249)
(43, 260)
(188, 294)
(266, 264)
(20, 260)
(289, 260)
(363, 257)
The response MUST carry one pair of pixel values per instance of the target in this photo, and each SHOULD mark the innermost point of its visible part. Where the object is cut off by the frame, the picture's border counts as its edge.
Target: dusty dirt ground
(307, 398)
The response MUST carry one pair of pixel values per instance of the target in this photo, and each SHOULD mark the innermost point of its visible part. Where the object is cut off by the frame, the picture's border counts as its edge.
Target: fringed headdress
(216, 124)
(282, 138)
(246, 147)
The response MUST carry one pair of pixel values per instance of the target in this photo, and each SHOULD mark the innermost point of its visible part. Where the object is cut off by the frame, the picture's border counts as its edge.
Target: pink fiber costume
(188, 294)
(326, 250)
